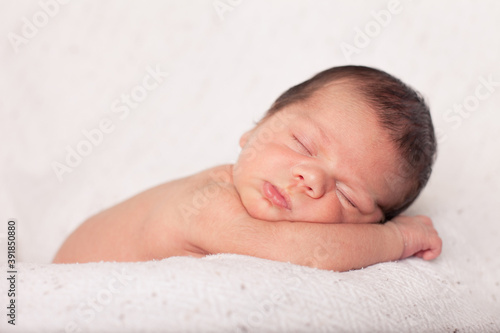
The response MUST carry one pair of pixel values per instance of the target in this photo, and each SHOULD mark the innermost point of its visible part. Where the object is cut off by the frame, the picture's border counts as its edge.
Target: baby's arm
(338, 247)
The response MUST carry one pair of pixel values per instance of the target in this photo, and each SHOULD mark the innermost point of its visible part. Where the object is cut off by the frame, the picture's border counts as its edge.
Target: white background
(223, 75)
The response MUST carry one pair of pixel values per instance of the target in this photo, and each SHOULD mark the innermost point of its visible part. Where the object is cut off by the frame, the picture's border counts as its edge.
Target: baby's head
(352, 144)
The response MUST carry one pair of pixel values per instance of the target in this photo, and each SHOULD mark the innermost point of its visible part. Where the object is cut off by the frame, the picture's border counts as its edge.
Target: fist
(419, 237)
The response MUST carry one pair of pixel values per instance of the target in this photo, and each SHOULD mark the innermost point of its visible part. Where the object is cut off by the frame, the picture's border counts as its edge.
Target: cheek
(248, 160)
(247, 155)
(331, 212)
(325, 210)
(271, 156)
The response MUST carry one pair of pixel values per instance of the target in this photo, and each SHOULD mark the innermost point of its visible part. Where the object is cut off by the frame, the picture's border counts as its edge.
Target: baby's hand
(419, 236)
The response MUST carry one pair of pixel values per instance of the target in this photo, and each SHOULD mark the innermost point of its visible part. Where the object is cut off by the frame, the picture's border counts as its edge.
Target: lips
(275, 196)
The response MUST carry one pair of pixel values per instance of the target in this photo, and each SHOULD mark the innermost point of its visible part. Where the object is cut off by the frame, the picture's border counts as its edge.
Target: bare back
(167, 220)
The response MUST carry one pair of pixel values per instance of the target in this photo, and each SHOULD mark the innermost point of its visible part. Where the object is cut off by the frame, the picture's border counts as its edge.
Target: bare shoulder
(185, 209)
(218, 178)
(210, 193)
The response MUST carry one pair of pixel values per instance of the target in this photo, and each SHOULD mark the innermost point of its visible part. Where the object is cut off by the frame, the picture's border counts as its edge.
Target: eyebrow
(372, 204)
(324, 138)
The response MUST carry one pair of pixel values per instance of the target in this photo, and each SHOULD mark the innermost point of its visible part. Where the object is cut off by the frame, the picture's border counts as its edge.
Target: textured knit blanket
(232, 293)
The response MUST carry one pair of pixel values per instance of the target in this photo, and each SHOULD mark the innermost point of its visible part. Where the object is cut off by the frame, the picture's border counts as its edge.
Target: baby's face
(321, 161)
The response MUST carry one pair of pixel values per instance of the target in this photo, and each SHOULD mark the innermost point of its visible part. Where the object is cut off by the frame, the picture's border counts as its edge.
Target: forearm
(338, 247)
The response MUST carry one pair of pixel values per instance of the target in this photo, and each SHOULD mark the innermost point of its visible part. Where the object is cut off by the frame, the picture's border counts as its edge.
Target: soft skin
(308, 163)
(327, 158)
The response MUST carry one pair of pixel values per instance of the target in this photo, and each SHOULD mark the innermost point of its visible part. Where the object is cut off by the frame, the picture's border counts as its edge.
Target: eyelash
(346, 199)
(302, 145)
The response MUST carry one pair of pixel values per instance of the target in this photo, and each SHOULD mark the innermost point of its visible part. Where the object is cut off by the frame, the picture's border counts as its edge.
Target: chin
(258, 214)
(263, 211)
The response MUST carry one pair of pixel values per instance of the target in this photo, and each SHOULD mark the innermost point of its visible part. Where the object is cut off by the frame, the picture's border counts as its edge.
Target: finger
(425, 220)
(419, 254)
(431, 254)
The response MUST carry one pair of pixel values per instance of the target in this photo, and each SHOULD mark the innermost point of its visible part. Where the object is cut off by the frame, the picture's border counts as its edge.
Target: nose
(312, 179)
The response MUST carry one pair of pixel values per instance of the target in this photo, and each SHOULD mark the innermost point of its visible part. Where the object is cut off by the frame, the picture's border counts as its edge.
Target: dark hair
(399, 109)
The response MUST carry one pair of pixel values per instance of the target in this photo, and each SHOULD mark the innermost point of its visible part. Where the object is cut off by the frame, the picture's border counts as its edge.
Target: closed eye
(345, 198)
(304, 148)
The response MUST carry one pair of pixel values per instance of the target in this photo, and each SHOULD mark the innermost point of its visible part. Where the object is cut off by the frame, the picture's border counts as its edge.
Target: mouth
(275, 196)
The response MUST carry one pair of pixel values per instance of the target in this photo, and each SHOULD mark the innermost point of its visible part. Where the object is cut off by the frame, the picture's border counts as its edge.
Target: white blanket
(219, 65)
(232, 293)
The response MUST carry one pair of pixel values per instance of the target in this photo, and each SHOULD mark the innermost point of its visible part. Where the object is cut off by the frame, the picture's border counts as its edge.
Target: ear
(244, 138)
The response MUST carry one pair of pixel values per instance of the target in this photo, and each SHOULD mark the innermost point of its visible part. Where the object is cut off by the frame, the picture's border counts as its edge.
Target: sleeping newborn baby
(320, 181)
